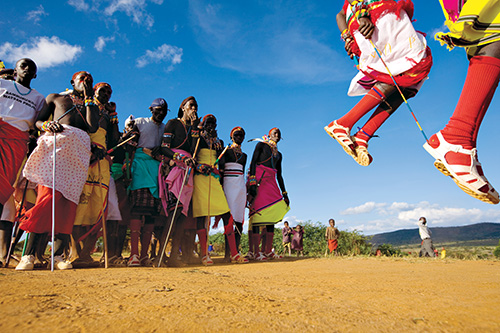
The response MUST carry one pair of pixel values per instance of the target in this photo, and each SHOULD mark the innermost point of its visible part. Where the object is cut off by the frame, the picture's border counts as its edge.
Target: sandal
(469, 178)
(273, 255)
(238, 259)
(146, 262)
(134, 261)
(207, 261)
(342, 135)
(363, 157)
(261, 257)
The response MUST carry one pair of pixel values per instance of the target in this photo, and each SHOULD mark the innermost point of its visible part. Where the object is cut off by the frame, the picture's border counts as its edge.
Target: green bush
(315, 244)
(389, 250)
(496, 251)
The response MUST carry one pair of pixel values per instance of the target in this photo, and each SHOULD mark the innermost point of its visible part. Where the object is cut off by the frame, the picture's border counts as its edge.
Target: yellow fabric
(208, 190)
(270, 215)
(478, 24)
(95, 192)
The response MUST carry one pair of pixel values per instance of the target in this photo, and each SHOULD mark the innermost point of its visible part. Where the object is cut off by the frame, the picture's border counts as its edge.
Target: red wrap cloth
(13, 149)
(39, 218)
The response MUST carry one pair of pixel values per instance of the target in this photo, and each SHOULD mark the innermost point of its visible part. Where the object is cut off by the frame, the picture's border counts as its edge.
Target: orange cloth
(332, 244)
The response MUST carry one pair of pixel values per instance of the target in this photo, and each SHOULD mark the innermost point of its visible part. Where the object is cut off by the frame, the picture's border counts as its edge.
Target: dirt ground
(306, 294)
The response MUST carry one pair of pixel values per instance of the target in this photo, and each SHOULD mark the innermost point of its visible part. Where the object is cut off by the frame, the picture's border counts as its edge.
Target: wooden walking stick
(184, 182)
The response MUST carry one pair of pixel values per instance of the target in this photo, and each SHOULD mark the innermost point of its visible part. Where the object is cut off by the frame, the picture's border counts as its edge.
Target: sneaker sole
(363, 157)
(347, 149)
(488, 198)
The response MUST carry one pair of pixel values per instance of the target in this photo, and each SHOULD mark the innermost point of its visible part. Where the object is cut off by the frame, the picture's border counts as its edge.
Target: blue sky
(261, 64)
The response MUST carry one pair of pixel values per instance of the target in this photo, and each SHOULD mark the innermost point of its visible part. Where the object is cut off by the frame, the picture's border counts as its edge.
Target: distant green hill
(485, 233)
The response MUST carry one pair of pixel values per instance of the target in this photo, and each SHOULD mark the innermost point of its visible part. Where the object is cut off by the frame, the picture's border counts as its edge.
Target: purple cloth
(297, 240)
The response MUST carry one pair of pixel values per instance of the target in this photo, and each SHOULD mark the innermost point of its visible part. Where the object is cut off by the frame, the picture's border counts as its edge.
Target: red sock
(135, 232)
(256, 242)
(482, 80)
(269, 242)
(147, 232)
(368, 102)
(373, 124)
(229, 232)
(202, 237)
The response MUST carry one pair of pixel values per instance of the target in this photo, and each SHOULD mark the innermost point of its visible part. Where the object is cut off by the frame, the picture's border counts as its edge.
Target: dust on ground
(305, 294)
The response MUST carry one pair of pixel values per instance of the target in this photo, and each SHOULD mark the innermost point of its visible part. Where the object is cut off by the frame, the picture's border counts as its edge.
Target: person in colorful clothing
(475, 26)
(386, 25)
(268, 199)
(208, 195)
(92, 207)
(75, 115)
(20, 106)
(298, 240)
(144, 189)
(332, 235)
(233, 166)
(287, 234)
(176, 147)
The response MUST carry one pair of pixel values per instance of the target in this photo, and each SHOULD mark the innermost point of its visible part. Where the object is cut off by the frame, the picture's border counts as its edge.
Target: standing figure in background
(298, 240)
(427, 249)
(287, 238)
(332, 235)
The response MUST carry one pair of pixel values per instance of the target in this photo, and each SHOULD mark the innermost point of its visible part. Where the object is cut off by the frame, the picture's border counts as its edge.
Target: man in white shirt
(20, 106)
(427, 249)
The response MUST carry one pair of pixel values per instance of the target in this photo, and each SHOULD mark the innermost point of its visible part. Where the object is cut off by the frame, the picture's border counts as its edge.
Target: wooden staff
(184, 182)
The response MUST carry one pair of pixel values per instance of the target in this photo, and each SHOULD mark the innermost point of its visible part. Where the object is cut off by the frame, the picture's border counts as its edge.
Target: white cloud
(282, 44)
(36, 15)
(135, 9)
(367, 207)
(102, 41)
(402, 215)
(172, 55)
(80, 5)
(46, 52)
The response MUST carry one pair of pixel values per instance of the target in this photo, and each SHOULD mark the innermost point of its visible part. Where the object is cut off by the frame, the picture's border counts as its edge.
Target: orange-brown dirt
(326, 295)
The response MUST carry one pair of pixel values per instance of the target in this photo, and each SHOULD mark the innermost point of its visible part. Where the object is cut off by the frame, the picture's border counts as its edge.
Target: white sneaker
(60, 263)
(26, 264)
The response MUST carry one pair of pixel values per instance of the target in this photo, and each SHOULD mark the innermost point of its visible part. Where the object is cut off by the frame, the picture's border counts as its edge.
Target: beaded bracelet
(345, 35)
(252, 180)
(89, 102)
(45, 126)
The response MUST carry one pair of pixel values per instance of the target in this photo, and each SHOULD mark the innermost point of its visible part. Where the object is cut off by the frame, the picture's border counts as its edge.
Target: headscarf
(102, 84)
(78, 73)
(208, 116)
(181, 112)
(237, 128)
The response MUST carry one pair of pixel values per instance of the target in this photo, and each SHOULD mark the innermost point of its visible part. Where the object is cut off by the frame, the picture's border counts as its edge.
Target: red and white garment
(72, 162)
(235, 190)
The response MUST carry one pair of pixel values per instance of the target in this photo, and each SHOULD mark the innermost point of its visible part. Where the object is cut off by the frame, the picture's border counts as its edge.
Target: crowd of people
(69, 174)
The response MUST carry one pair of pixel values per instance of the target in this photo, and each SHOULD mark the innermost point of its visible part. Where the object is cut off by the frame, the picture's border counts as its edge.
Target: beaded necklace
(20, 93)
(238, 154)
(210, 140)
(274, 147)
